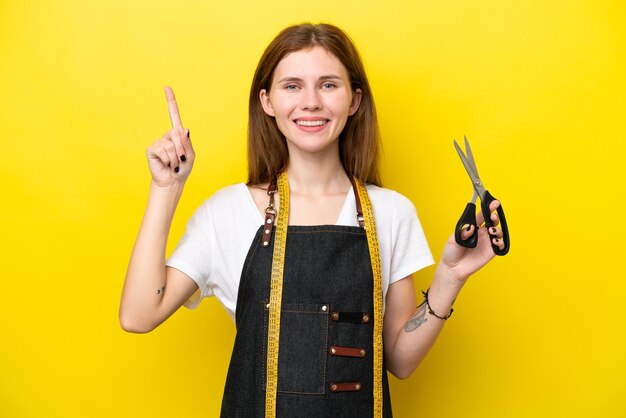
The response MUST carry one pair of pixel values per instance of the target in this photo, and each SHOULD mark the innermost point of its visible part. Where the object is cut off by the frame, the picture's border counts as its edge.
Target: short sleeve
(192, 255)
(409, 248)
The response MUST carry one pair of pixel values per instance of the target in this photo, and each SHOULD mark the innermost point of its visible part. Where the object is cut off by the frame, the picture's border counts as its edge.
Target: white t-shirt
(219, 234)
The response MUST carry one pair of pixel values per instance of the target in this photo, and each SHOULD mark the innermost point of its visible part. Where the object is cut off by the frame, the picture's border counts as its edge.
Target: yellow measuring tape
(276, 295)
(372, 243)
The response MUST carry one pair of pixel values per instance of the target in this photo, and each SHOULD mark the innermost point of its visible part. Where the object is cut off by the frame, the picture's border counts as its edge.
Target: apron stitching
(308, 312)
(326, 231)
(264, 373)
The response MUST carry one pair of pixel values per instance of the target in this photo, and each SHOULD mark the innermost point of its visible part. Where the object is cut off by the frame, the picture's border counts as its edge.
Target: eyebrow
(296, 79)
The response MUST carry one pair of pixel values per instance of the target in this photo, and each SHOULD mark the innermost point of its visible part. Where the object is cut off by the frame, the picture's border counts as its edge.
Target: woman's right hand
(171, 158)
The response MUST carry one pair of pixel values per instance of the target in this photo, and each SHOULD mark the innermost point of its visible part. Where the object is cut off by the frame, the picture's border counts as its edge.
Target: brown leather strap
(347, 351)
(270, 216)
(354, 317)
(359, 209)
(345, 387)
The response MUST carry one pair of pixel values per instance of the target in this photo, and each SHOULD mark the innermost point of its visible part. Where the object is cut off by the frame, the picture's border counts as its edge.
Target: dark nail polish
(176, 169)
(188, 133)
(468, 228)
(183, 158)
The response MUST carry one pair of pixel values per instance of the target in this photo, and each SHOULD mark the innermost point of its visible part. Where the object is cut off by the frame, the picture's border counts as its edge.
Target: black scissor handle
(468, 218)
(485, 203)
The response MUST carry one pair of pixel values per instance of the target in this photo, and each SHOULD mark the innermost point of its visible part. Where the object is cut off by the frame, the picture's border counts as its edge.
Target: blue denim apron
(325, 364)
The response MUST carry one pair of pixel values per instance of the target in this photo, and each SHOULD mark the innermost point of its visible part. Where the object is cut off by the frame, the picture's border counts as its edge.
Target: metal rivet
(333, 350)
(362, 352)
(267, 231)
(324, 308)
(357, 386)
(267, 306)
(266, 243)
(269, 221)
(335, 315)
(333, 387)
(366, 318)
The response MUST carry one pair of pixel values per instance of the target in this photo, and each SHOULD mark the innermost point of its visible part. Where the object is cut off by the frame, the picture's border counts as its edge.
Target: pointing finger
(173, 108)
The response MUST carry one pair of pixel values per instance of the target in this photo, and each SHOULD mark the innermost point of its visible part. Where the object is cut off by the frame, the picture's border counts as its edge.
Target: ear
(356, 101)
(264, 97)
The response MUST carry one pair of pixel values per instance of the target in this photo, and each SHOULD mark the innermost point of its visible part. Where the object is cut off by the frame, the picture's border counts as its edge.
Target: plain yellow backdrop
(537, 86)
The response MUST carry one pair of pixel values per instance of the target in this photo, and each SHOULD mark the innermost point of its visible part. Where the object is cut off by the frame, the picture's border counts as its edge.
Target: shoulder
(228, 204)
(387, 201)
(228, 193)
(234, 195)
(403, 246)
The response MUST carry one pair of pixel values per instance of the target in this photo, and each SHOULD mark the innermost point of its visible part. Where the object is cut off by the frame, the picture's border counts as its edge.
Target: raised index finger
(173, 108)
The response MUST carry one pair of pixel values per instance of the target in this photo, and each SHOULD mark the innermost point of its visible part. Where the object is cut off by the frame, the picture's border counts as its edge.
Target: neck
(317, 175)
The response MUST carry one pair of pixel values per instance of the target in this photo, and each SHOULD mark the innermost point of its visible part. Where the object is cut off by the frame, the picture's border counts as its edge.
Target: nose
(311, 99)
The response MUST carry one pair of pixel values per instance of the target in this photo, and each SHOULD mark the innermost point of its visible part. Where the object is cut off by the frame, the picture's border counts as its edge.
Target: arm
(409, 333)
(151, 291)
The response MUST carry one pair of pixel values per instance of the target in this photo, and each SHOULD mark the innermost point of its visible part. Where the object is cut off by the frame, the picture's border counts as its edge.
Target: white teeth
(311, 122)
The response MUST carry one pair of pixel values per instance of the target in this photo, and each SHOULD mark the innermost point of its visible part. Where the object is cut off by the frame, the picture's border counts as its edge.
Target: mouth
(311, 122)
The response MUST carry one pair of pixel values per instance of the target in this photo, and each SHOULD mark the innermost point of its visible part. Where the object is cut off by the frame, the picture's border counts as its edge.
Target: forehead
(310, 63)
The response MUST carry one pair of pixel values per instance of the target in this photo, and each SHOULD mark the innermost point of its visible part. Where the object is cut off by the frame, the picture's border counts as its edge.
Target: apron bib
(326, 350)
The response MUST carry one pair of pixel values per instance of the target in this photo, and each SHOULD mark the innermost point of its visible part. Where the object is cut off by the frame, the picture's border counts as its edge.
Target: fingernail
(188, 134)
(183, 158)
(176, 169)
(468, 228)
(493, 230)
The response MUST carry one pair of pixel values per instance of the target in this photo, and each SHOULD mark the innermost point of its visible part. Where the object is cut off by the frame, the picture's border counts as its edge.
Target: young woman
(304, 276)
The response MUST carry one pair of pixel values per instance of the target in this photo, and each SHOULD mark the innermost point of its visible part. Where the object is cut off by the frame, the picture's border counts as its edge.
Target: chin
(311, 147)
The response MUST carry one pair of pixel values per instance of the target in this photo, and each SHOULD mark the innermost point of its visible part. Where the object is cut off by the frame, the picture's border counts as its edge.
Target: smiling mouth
(318, 122)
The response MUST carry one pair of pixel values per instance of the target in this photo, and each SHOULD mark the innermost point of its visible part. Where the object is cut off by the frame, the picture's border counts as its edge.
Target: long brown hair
(359, 145)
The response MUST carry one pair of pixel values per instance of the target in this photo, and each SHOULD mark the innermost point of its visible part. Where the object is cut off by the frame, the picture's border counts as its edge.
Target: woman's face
(311, 99)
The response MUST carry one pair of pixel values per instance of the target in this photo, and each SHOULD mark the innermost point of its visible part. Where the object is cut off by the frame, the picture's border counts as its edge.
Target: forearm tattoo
(417, 319)
(161, 290)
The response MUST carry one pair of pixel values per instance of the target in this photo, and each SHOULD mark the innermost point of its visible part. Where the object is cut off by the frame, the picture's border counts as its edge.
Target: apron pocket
(303, 348)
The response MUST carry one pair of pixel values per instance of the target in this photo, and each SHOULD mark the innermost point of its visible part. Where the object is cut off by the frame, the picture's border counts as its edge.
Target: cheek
(341, 104)
(281, 118)
(283, 125)
(282, 109)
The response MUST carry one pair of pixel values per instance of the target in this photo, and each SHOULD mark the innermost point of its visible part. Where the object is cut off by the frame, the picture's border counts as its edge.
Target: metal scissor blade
(466, 164)
(470, 157)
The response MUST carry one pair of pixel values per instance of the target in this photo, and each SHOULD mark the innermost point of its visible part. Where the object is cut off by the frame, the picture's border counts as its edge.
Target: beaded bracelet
(430, 310)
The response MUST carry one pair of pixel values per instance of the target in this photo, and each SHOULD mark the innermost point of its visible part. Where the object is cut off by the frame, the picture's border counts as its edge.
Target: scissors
(469, 215)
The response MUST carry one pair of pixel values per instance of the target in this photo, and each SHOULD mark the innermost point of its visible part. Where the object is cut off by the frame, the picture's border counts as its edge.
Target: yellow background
(537, 86)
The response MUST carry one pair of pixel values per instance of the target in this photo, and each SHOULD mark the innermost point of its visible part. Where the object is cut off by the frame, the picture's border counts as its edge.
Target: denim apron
(325, 366)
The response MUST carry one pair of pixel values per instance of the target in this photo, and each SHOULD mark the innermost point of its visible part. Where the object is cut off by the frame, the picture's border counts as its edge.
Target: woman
(308, 298)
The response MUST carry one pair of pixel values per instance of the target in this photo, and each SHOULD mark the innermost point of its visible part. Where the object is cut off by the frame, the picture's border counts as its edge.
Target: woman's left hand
(463, 262)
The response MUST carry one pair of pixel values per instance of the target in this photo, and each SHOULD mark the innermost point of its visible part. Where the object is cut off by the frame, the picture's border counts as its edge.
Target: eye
(291, 87)
(329, 86)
